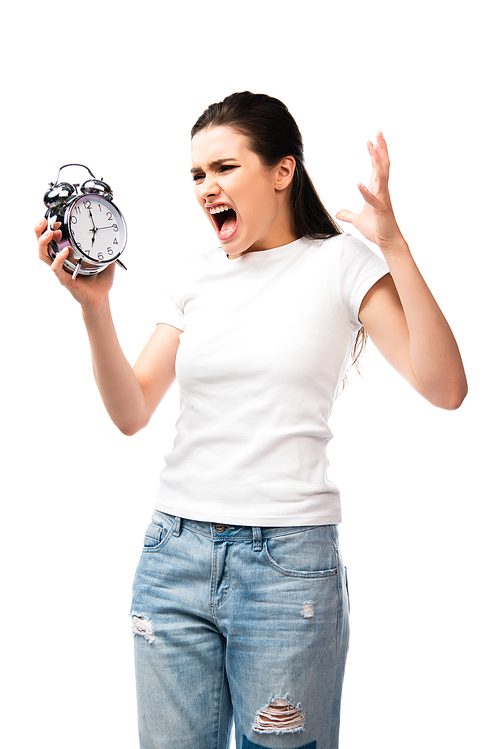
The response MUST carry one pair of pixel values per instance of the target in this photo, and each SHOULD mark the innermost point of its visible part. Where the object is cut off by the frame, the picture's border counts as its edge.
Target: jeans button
(219, 527)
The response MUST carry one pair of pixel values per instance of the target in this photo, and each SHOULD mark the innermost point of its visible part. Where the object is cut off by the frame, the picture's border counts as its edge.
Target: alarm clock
(91, 224)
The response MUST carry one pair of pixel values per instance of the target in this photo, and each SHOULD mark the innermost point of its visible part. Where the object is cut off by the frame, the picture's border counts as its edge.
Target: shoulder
(347, 246)
(357, 269)
(355, 256)
(343, 244)
(344, 251)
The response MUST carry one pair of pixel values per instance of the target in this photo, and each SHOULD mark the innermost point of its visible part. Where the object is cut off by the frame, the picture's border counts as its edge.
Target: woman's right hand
(89, 291)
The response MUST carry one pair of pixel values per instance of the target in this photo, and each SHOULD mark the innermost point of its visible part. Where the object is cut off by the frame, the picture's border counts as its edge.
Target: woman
(240, 605)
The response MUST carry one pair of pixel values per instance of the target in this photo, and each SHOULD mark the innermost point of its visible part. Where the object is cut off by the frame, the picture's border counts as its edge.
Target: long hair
(272, 134)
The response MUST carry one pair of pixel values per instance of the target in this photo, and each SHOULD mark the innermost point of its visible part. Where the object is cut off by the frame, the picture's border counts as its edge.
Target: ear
(284, 173)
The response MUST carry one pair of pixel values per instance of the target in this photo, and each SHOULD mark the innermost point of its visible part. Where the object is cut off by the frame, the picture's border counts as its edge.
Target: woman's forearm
(434, 354)
(118, 385)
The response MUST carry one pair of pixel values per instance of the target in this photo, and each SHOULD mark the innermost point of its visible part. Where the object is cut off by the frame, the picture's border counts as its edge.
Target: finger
(46, 234)
(57, 234)
(57, 266)
(377, 175)
(44, 242)
(372, 151)
(43, 246)
(382, 143)
(345, 215)
(376, 151)
(381, 157)
(43, 225)
(380, 147)
(40, 227)
(380, 172)
(377, 159)
(369, 197)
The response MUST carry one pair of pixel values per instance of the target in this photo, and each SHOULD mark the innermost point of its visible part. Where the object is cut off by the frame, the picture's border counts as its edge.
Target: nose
(210, 187)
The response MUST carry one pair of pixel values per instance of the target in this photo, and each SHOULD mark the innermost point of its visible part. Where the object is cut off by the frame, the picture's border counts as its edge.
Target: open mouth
(225, 220)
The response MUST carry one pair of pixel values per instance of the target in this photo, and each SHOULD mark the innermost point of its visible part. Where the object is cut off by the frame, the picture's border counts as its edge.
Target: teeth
(219, 209)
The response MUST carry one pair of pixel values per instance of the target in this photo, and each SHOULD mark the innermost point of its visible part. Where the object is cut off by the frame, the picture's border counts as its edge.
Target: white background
(117, 86)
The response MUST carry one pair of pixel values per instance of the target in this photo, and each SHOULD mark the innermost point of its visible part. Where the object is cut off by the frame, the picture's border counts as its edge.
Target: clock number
(100, 256)
(74, 220)
(87, 204)
(115, 227)
(115, 241)
(77, 209)
(109, 216)
(110, 251)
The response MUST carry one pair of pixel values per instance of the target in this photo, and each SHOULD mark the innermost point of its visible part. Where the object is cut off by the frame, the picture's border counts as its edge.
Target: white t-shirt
(265, 344)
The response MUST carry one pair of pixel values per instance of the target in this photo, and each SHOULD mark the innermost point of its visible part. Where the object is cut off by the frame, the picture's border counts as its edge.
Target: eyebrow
(212, 164)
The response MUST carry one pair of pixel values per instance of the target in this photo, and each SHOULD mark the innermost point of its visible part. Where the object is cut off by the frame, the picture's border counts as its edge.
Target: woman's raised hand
(376, 221)
(89, 291)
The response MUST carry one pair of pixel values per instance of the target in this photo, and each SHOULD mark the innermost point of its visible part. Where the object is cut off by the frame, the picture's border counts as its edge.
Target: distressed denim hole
(279, 716)
(142, 626)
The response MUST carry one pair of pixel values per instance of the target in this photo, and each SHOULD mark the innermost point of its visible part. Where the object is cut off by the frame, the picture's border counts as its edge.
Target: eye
(198, 177)
(227, 167)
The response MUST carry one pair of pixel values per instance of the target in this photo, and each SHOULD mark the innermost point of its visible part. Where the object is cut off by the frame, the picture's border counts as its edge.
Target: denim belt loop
(177, 527)
(257, 538)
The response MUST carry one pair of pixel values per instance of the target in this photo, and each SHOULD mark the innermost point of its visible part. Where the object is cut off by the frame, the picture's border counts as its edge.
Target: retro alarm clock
(91, 224)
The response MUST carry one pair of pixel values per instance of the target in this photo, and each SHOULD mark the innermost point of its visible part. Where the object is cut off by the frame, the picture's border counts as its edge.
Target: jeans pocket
(305, 553)
(158, 532)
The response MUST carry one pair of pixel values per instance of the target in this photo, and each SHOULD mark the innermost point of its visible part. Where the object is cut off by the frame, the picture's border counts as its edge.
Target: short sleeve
(169, 311)
(359, 268)
(169, 306)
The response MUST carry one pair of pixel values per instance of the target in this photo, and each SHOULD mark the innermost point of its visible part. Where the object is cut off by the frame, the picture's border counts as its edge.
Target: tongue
(229, 223)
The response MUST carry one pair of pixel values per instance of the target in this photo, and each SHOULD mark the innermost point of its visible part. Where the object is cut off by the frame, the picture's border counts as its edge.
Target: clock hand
(94, 232)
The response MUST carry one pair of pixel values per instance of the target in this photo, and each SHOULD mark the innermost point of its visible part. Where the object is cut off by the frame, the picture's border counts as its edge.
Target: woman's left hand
(376, 221)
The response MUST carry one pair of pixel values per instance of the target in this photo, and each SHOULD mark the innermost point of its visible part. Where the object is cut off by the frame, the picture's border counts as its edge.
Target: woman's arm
(399, 313)
(129, 395)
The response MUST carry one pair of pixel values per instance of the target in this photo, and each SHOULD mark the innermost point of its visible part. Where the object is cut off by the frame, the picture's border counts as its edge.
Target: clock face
(97, 228)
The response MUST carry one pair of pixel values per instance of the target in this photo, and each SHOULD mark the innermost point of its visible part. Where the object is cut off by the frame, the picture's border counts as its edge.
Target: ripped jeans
(234, 622)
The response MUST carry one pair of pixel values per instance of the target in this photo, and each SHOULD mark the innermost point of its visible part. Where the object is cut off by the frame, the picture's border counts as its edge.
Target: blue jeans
(244, 623)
